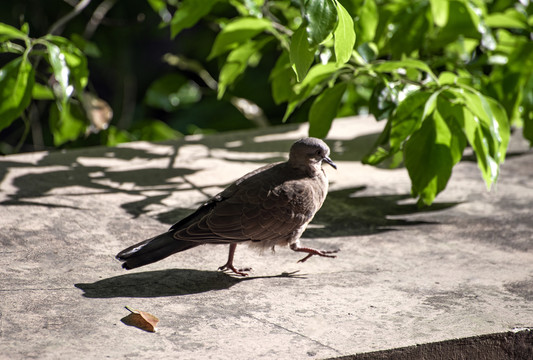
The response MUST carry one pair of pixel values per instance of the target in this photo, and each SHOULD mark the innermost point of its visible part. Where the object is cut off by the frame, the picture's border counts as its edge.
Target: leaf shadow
(345, 213)
(57, 171)
(92, 170)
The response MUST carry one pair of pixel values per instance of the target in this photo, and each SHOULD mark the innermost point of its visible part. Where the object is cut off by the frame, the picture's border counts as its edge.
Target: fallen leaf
(141, 319)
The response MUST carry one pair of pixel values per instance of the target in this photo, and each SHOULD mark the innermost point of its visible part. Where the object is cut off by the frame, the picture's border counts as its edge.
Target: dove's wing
(272, 207)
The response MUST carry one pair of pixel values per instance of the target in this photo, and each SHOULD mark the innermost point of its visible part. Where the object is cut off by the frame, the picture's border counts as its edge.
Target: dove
(268, 207)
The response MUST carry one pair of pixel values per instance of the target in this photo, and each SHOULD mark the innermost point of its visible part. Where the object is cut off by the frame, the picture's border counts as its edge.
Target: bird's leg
(229, 264)
(310, 252)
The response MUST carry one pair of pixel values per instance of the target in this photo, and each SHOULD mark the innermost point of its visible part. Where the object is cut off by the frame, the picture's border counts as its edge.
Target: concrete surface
(404, 276)
(501, 346)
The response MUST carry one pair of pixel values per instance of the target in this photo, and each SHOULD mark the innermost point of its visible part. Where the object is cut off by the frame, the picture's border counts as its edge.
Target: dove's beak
(329, 161)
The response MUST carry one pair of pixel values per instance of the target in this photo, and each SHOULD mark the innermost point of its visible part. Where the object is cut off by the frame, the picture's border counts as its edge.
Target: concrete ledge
(512, 345)
(404, 276)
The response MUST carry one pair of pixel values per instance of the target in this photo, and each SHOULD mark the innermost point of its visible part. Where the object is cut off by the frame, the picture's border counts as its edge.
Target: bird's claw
(230, 267)
(310, 252)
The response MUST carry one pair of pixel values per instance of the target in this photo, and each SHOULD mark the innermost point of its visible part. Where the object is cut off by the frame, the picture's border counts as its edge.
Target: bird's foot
(230, 267)
(310, 252)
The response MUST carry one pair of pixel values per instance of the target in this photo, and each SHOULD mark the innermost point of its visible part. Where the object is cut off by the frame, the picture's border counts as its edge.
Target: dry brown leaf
(98, 111)
(141, 319)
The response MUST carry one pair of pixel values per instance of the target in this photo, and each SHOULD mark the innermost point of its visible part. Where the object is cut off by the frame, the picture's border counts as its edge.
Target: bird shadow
(171, 282)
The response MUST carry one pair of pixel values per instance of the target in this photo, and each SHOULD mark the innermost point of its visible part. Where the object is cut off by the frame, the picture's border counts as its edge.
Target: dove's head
(308, 154)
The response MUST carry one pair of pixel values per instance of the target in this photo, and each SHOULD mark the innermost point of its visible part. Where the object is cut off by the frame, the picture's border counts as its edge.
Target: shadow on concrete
(45, 178)
(57, 170)
(343, 213)
(346, 213)
(172, 282)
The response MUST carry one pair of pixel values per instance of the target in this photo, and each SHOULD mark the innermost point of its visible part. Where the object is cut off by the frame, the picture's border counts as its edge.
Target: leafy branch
(445, 74)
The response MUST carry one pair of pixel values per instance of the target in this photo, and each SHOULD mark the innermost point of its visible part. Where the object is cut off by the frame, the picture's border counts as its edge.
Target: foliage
(18, 85)
(443, 74)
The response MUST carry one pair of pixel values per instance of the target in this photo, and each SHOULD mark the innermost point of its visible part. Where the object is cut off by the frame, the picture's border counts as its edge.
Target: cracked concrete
(404, 276)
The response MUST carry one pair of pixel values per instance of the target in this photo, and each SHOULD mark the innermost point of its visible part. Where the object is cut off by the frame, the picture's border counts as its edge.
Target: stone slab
(404, 276)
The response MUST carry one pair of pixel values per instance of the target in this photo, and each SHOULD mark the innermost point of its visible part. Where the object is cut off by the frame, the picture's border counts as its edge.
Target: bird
(268, 207)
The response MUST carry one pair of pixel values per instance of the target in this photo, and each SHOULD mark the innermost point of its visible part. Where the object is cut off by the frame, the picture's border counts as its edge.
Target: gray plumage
(268, 207)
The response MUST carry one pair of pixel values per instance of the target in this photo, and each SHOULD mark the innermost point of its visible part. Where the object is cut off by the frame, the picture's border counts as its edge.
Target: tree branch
(56, 27)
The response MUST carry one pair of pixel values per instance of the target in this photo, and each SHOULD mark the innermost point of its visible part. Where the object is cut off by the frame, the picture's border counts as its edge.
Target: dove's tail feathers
(152, 250)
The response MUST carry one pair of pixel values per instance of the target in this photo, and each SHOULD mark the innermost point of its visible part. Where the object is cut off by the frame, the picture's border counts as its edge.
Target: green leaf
(521, 60)
(60, 70)
(501, 127)
(25, 28)
(188, 14)
(67, 123)
(509, 88)
(382, 153)
(406, 35)
(301, 54)
(317, 76)
(377, 156)
(439, 11)
(453, 114)
(113, 136)
(321, 18)
(157, 5)
(486, 163)
(248, 7)
(430, 104)
(495, 128)
(368, 22)
(510, 19)
(162, 93)
(382, 101)
(75, 60)
(154, 130)
(16, 84)
(366, 53)
(237, 32)
(10, 32)
(77, 63)
(344, 35)
(324, 110)
(447, 77)
(11, 47)
(42, 92)
(407, 118)
(527, 111)
(486, 127)
(428, 158)
(236, 63)
(392, 66)
(282, 78)
(404, 121)
(89, 48)
(463, 24)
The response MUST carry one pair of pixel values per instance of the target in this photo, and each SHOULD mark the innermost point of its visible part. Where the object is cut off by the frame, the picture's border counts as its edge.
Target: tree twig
(98, 16)
(65, 19)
